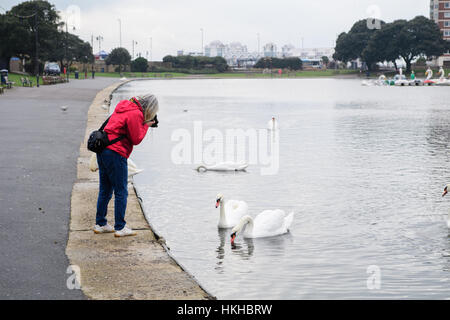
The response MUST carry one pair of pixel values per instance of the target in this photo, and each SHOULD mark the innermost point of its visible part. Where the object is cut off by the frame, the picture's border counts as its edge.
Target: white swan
(446, 189)
(231, 211)
(224, 166)
(132, 167)
(268, 223)
(272, 124)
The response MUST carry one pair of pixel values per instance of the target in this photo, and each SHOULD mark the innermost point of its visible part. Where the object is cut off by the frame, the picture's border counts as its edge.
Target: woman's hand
(149, 122)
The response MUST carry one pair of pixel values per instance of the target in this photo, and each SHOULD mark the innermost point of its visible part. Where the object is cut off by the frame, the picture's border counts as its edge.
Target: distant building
(440, 13)
(270, 50)
(102, 55)
(236, 54)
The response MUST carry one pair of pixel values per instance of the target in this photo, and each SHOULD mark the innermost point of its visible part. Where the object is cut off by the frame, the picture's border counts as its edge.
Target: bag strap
(104, 124)
(114, 140)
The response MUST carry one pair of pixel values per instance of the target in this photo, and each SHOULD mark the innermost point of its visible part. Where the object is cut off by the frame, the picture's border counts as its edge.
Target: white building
(236, 54)
(270, 50)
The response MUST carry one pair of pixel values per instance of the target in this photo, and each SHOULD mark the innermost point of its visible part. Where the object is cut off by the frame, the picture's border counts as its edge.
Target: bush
(139, 65)
(286, 63)
(199, 64)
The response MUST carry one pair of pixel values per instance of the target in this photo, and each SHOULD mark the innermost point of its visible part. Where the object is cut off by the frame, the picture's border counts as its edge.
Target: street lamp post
(120, 33)
(258, 43)
(134, 43)
(99, 38)
(201, 29)
(151, 48)
(36, 38)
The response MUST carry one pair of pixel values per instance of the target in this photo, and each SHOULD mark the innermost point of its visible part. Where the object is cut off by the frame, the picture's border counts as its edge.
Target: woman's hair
(150, 106)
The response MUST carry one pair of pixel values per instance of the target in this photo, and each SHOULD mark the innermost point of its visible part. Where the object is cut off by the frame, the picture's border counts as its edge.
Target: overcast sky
(175, 24)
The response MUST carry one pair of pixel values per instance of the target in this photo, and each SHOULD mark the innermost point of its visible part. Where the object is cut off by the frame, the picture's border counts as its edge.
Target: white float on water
(224, 166)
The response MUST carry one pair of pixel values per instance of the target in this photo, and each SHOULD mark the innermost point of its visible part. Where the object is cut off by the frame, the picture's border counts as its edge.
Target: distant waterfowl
(132, 167)
(231, 211)
(272, 124)
(224, 166)
(64, 108)
(268, 223)
(446, 189)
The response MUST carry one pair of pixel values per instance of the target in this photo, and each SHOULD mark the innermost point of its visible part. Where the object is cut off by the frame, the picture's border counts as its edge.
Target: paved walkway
(38, 166)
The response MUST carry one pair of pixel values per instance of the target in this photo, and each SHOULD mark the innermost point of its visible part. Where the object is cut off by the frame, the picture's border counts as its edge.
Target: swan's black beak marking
(445, 191)
(233, 236)
(217, 203)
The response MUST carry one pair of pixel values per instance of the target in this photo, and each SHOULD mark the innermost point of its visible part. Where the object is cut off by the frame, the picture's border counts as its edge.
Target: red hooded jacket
(127, 119)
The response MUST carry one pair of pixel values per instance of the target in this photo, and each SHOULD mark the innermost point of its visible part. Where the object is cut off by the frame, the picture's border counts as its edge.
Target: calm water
(363, 168)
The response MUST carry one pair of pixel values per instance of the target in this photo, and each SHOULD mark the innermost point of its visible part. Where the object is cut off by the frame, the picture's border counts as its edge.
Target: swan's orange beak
(217, 203)
(233, 236)
(445, 191)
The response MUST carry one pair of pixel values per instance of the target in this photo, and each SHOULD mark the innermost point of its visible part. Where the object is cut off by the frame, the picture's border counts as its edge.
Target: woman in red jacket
(131, 119)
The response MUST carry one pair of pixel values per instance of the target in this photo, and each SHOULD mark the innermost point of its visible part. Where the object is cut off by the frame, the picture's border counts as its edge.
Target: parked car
(52, 69)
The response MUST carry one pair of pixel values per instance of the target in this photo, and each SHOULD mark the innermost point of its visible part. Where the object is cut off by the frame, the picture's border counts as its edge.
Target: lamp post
(151, 48)
(201, 29)
(120, 33)
(36, 39)
(99, 39)
(258, 43)
(134, 43)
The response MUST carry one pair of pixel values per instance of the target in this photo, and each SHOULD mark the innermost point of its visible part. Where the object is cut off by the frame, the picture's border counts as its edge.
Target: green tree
(23, 30)
(325, 60)
(350, 46)
(420, 36)
(69, 48)
(384, 44)
(119, 56)
(139, 65)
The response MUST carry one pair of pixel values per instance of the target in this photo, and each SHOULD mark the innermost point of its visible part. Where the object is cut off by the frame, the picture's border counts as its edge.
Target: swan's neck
(246, 222)
(223, 219)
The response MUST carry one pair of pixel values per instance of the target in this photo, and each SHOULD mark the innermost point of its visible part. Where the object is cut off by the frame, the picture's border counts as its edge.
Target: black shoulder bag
(98, 140)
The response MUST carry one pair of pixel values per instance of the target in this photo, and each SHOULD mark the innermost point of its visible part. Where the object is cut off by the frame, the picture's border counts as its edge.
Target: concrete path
(119, 268)
(38, 167)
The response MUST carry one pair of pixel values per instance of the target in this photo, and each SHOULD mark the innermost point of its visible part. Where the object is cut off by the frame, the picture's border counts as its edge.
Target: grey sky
(175, 24)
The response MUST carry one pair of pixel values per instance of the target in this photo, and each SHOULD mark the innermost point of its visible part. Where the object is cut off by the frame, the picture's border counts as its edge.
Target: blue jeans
(113, 172)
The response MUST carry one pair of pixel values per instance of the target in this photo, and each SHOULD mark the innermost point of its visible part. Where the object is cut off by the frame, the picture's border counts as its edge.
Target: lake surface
(363, 168)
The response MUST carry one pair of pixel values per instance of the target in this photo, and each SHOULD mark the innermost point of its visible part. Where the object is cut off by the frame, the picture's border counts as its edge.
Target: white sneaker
(105, 229)
(125, 232)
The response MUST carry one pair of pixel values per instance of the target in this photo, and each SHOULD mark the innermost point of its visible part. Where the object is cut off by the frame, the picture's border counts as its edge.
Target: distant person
(93, 73)
(130, 119)
(413, 75)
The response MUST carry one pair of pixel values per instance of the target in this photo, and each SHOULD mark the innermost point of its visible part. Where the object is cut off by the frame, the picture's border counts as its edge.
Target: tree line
(285, 63)
(401, 39)
(18, 37)
(214, 64)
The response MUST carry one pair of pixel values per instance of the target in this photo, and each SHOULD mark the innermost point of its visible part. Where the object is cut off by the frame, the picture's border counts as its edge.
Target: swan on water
(132, 167)
(272, 124)
(446, 189)
(268, 223)
(231, 211)
(224, 166)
